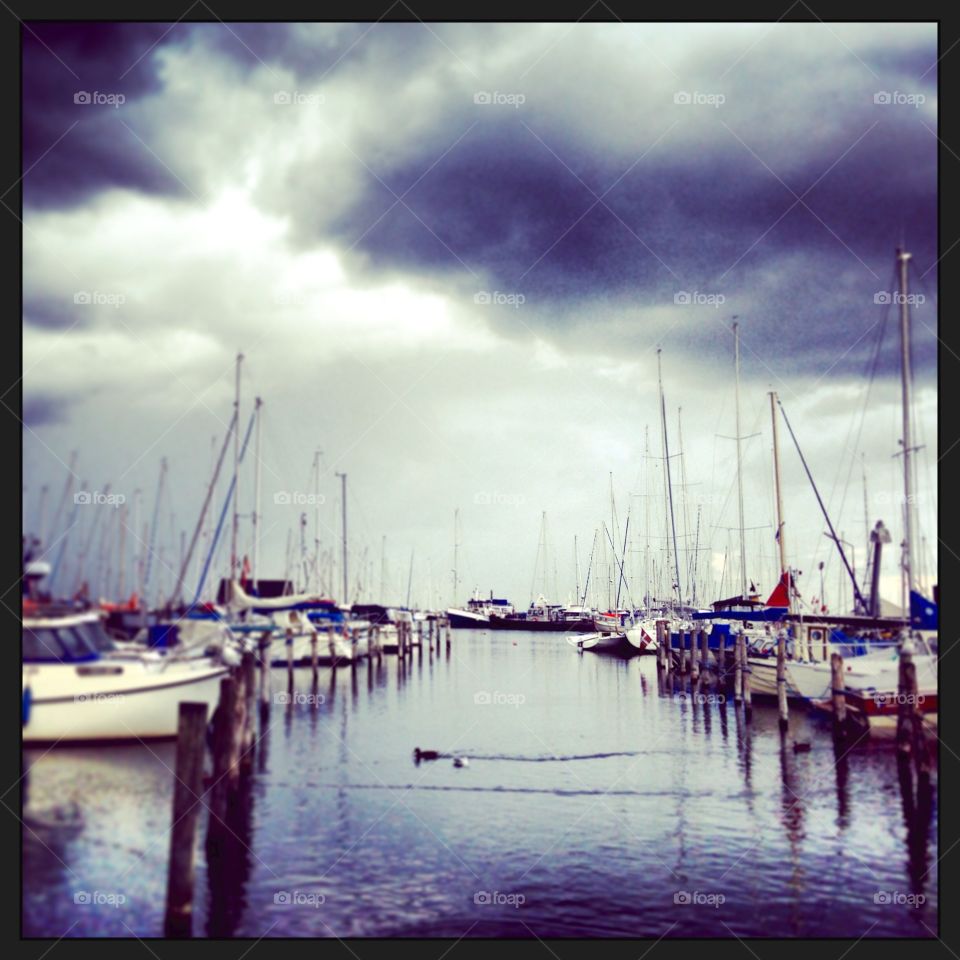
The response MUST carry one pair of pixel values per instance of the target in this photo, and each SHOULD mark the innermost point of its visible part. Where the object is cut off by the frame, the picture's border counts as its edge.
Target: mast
(410, 579)
(456, 518)
(776, 484)
(646, 518)
(669, 484)
(316, 521)
(743, 554)
(236, 474)
(255, 573)
(685, 503)
(343, 505)
(383, 568)
(909, 510)
(576, 565)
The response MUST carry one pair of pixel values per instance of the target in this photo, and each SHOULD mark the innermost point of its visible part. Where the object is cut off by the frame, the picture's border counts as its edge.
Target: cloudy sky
(449, 254)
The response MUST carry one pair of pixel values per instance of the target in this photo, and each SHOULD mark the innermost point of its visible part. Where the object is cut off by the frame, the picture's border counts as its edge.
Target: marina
(358, 602)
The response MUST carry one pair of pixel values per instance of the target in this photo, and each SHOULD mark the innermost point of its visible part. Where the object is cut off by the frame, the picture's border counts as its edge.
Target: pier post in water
(289, 644)
(738, 668)
(223, 727)
(906, 700)
(264, 649)
(694, 653)
(187, 790)
(839, 696)
(782, 680)
(313, 657)
(747, 695)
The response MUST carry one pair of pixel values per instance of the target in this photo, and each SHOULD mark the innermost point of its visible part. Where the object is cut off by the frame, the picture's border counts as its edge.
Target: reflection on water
(596, 799)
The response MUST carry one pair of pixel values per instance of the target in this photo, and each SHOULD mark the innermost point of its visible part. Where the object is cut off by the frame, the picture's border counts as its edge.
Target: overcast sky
(449, 254)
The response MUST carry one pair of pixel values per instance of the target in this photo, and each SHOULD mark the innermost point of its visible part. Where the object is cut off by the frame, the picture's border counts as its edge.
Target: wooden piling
(738, 668)
(782, 680)
(249, 732)
(314, 671)
(694, 663)
(906, 698)
(747, 695)
(449, 632)
(838, 689)
(289, 643)
(222, 749)
(264, 649)
(187, 790)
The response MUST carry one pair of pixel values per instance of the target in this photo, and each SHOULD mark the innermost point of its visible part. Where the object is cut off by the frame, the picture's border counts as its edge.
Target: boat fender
(25, 703)
(461, 762)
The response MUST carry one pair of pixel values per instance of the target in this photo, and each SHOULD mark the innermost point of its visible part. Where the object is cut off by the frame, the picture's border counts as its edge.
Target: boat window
(41, 645)
(74, 643)
(94, 635)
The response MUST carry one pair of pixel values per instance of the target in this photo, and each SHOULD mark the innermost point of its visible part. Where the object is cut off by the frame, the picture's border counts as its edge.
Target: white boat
(624, 644)
(79, 688)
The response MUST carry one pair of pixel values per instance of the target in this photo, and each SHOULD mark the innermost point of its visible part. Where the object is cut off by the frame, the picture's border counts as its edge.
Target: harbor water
(592, 802)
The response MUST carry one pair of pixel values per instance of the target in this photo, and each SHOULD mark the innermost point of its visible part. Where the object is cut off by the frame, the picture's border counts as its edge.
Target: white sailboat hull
(116, 699)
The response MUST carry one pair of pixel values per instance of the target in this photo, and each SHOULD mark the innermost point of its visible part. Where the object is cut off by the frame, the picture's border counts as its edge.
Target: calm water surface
(593, 804)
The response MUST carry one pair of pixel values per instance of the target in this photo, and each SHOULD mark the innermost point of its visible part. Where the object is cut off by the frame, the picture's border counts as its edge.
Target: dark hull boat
(549, 626)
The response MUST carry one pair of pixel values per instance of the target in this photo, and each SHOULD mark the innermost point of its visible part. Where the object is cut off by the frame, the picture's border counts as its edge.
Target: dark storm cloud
(42, 409)
(73, 149)
(595, 197)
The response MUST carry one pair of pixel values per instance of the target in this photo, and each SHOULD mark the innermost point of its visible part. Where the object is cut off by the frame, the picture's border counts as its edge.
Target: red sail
(781, 593)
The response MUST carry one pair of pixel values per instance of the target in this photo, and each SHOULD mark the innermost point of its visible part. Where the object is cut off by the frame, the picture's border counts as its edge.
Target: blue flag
(924, 613)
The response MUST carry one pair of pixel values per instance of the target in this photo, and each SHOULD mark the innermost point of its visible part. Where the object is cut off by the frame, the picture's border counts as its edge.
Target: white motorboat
(624, 644)
(79, 688)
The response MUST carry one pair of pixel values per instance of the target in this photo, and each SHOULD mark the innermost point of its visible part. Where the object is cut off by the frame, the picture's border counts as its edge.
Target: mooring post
(187, 790)
(446, 624)
(747, 695)
(738, 668)
(331, 648)
(694, 653)
(249, 668)
(906, 696)
(839, 694)
(314, 669)
(223, 724)
(782, 680)
(289, 643)
(263, 646)
(668, 646)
